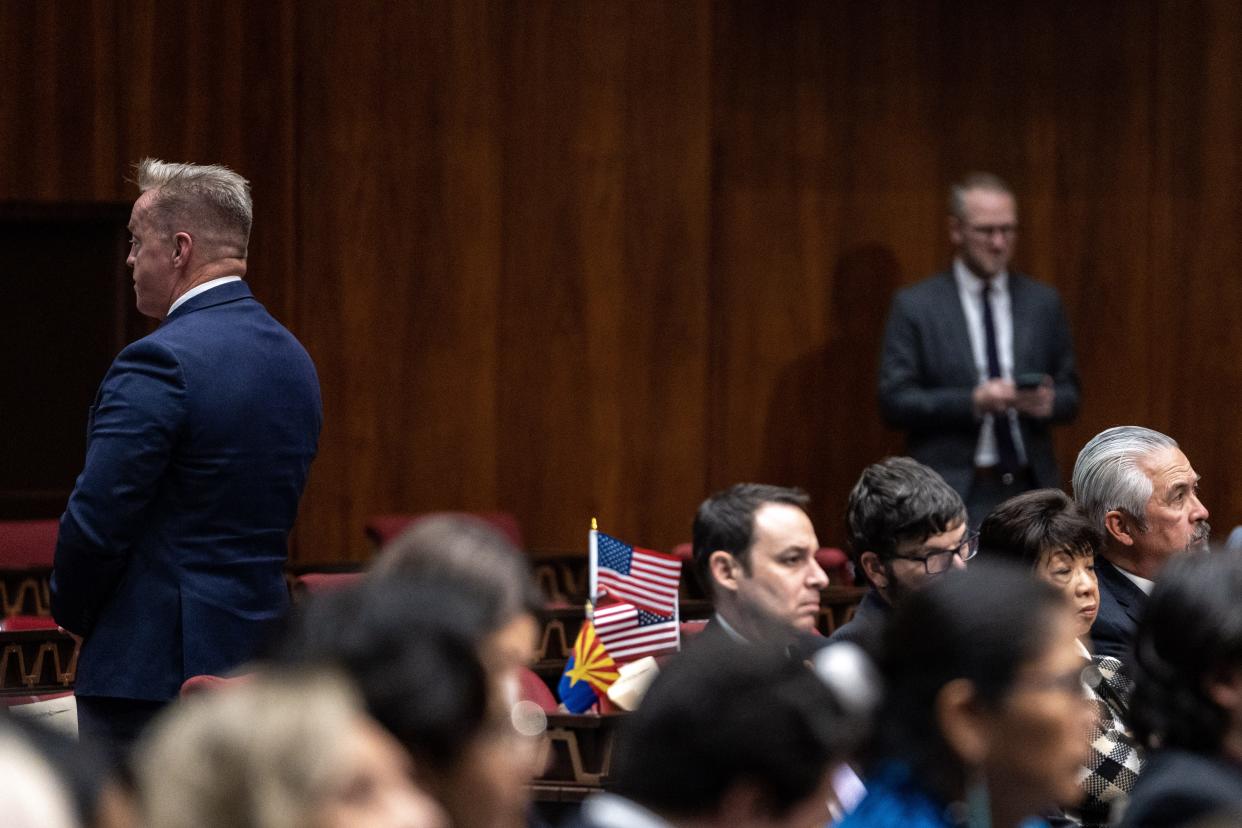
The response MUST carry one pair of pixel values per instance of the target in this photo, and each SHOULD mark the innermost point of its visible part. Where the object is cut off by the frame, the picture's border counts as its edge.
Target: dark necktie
(1005, 448)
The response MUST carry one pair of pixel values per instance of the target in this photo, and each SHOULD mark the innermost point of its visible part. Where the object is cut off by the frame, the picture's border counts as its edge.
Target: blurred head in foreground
(468, 554)
(412, 649)
(1187, 702)
(734, 735)
(984, 694)
(277, 751)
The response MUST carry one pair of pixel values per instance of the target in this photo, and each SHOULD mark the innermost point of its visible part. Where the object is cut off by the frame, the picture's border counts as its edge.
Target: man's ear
(1120, 527)
(874, 569)
(183, 244)
(961, 721)
(955, 230)
(724, 569)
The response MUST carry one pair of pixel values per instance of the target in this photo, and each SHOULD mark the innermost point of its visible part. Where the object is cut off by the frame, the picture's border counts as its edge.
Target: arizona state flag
(589, 672)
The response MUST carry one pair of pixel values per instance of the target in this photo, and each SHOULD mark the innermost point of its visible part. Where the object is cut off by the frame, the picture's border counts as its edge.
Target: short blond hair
(974, 181)
(209, 197)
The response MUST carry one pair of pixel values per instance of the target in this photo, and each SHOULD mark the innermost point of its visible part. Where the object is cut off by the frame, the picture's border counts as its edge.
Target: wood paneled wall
(602, 258)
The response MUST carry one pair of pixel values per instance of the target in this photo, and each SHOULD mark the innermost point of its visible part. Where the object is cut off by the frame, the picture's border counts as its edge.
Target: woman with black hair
(984, 718)
(1049, 534)
(1187, 703)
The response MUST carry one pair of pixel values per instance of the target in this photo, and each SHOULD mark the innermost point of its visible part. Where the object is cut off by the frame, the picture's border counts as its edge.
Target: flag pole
(593, 562)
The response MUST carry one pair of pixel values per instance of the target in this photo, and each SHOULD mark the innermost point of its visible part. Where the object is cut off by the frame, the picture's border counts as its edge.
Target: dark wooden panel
(600, 258)
(603, 340)
(825, 199)
(1195, 239)
(58, 139)
(508, 249)
(213, 83)
(401, 230)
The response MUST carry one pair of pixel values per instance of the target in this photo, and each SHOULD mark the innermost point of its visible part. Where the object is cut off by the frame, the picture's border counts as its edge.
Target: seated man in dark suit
(1137, 486)
(728, 735)
(907, 526)
(754, 550)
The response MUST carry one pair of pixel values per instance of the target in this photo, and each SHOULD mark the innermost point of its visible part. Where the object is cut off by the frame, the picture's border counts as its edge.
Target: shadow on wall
(823, 422)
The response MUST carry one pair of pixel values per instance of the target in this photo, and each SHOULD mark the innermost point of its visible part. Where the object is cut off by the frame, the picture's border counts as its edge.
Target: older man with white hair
(1139, 488)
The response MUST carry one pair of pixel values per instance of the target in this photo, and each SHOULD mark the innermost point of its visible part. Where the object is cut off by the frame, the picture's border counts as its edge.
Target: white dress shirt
(1139, 581)
(970, 292)
(203, 288)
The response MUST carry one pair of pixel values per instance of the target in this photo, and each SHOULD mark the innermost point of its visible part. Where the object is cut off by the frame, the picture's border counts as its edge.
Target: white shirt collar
(203, 288)
(973, 284)
(1139, 581)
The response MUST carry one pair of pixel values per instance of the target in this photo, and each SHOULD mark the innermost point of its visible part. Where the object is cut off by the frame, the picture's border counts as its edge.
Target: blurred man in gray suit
(977, 362)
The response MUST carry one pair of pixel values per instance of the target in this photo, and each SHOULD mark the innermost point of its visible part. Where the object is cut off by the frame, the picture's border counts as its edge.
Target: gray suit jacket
(927, 374)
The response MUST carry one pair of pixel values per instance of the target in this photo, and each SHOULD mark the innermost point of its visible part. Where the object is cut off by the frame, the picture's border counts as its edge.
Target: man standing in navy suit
(977, 362)
(1137, 486)
(170, 558)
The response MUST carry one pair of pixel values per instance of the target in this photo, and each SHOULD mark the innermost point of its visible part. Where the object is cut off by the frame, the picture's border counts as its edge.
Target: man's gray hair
(212, 196)
(974, 181)
(1107, 475)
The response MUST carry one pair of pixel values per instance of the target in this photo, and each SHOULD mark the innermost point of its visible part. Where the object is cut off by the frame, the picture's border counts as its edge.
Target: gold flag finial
(594, 525)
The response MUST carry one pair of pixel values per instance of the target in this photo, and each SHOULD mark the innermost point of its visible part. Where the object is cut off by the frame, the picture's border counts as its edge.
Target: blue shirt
(895, 800)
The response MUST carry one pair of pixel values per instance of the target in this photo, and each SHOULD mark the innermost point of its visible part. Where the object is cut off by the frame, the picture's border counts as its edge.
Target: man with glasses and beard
(907, 527)
(1137, 486)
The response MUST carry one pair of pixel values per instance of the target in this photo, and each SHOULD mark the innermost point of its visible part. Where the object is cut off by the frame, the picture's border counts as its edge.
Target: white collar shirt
(197, 289)
(970, 293)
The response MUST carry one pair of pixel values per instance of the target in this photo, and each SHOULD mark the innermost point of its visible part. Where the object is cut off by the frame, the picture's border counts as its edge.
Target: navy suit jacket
(1121, 603)
(171, 549)
(928, 374)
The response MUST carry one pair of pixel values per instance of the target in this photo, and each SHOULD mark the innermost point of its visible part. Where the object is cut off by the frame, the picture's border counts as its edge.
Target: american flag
(646, 579)
(630, 633)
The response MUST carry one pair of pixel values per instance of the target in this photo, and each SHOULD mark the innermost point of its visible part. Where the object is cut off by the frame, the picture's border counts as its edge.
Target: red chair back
(532, 688)
(837, 565)
(16, 623)
(28, 544)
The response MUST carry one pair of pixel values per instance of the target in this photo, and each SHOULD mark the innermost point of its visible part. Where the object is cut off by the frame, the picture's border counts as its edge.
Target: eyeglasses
(936, 561)
(988, 230)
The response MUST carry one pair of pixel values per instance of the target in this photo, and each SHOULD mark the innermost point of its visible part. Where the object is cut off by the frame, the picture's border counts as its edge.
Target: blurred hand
(1036, 402)
(993, 396)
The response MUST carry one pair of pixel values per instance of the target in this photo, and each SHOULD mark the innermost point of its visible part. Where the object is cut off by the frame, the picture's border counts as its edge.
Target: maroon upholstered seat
(837, 564)
(27, 544)
(532, 688)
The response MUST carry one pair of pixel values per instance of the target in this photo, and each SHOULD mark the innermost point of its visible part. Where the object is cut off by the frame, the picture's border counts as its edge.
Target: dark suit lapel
(1023, 327)
(1125, 591)
(957, 335)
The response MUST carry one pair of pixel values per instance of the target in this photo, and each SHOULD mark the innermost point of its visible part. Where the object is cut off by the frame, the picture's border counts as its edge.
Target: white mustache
(1202, 532)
